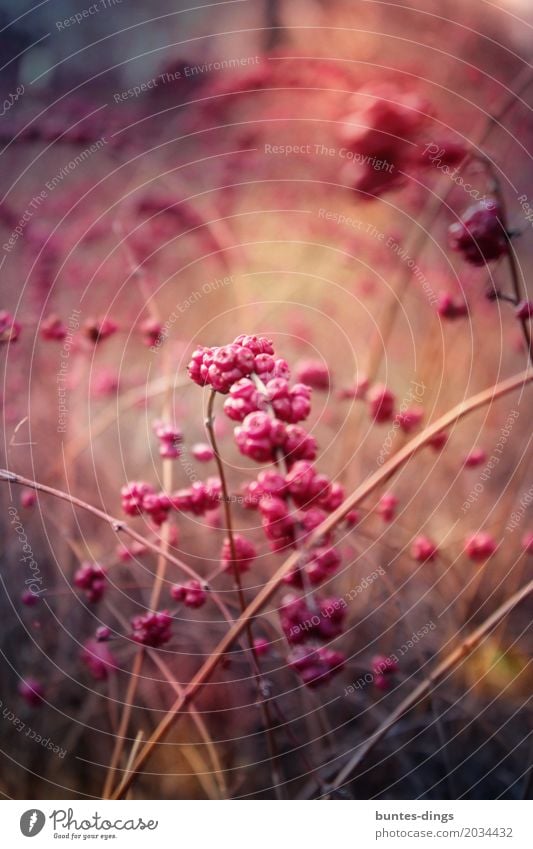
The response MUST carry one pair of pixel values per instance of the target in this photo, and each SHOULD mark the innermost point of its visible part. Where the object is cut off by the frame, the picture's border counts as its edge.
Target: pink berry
(298, 444)
(381, 403)
(53, 329)
(98, 659)
(31, 691)
(29, 598)
(261, 646)
(244, 398)
(475, 457)
(423, 549)
(245, 554)
(152, 629)
(438, 440)
(410, 419)
(314, 373)
(91, 577)
(192, 594)
(260, 436)
(527, 542)
(316, 666)
(101, 329)
(9, 328)
(387, 506)
(170, 439)
(28, 498)
(202, 452)
(480, 235)
(151, 332)
(480, 546)
(383, 665)
(450, 307)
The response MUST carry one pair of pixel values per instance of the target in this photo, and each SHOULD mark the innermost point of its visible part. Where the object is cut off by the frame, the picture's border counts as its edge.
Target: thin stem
(263, 703)
(154, 601)
(118, 525)
(516, 281)
(265, 594)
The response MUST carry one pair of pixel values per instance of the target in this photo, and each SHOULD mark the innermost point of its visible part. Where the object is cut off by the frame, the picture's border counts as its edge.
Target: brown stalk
(264, 706)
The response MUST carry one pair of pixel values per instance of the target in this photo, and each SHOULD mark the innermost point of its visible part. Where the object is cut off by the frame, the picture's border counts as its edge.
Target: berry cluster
(292, 499)
(152, 629)
(480, 235)
(221, 367)
(91, 577)
(192, 594)
(240, 556)
(380, 132)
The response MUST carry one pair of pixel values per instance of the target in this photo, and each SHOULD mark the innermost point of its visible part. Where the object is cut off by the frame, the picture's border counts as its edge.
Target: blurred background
(183, 165)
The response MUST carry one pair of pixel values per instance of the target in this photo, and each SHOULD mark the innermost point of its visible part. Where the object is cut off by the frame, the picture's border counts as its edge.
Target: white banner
(251, 825)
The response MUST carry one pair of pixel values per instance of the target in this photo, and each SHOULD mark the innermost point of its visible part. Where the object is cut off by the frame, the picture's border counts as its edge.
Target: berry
(298, 444)
(475, 457)
(423, 549)
(381, 403)
(152, 629)
(381, 136)
(98, 659)
(245, 554)
(192, 594)
(53, 329)
(479, 235)
(28, 498)
(31, 691)
(316, 666)
(305, 485)
(260, 436)
(101, 329)
(133, 496)
(314, 373)
(9, 328)
(199, 498)
(480, 546)
(244, 398)
(438, 440)
(170, 438)
(202, 452)
(291, 405)
(410, 418)
(103, 633)
(91, 577)
(387, 506)
(527, 542)
(450, 307)
(382, 665)
(261, 646)
(151, 332)
(29, 598)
